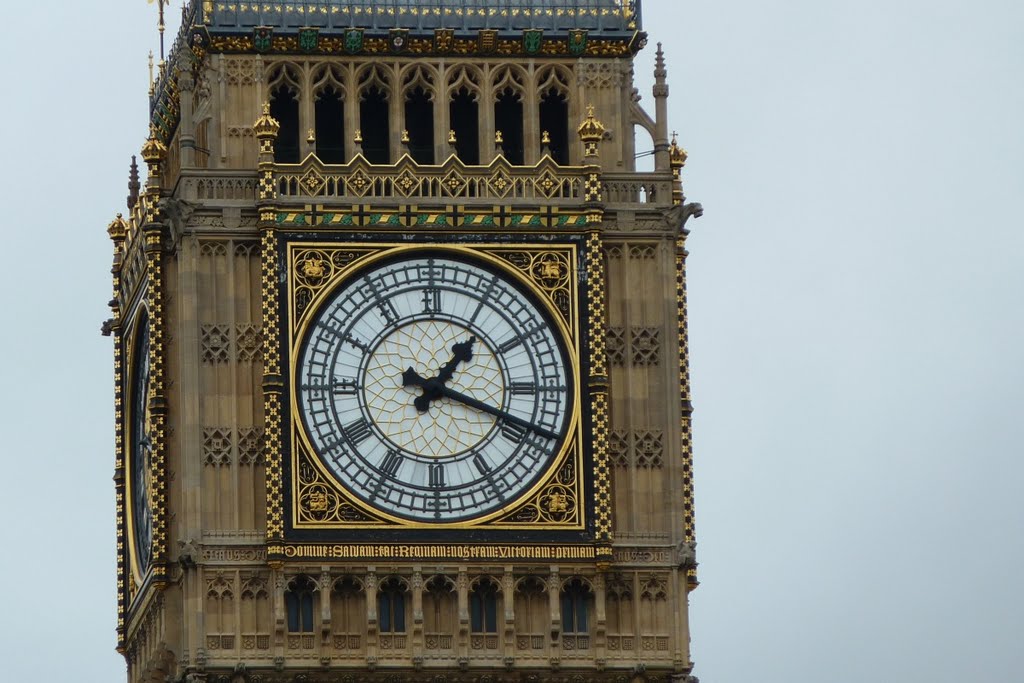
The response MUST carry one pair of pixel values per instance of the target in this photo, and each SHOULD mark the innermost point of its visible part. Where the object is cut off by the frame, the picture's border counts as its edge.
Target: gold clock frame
(137, 572)
(557, 501)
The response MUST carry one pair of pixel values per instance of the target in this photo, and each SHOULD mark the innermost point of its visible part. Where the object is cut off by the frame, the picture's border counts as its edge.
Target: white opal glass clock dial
(435, 389)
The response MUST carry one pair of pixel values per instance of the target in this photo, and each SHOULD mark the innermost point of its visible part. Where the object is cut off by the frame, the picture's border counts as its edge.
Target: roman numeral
(524, 387)
(510, 344)
(512, 432)
(344, 387)
(436, 474)
(357, 432)
(387, 309)
(356, 343)
(392, 461)
(431, 300)
(481, 464)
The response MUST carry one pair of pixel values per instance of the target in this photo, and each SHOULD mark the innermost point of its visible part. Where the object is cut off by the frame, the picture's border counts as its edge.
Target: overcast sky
(856, 331)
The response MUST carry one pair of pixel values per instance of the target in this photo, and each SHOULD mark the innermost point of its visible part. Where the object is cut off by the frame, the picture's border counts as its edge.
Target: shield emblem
(263, 38)
(444, 39)
(577, 42)
(488, 40)
(309, 39)
(354, 39)
(399, 39)
(532, 39)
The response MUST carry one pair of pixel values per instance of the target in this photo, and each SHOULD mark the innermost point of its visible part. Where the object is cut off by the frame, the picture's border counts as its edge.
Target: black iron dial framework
(139, 449)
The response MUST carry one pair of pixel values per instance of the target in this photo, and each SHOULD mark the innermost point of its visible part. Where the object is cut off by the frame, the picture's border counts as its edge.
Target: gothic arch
(374, 75)
(464, 77)
(555, 109)
(329, 93)
(375, 89)
(424, 76)
(284, 92)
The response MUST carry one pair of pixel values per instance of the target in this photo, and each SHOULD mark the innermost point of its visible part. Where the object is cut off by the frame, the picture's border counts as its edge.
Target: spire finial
(133, 184)
(660, 73)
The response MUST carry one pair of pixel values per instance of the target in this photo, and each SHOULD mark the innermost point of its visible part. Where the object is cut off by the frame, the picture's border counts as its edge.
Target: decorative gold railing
(543, 183)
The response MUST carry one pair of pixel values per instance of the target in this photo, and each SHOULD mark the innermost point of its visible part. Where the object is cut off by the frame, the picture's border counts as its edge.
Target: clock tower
(401, 368)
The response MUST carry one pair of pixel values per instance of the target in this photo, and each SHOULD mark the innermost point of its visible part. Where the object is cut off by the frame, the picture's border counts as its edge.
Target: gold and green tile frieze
(450, 217)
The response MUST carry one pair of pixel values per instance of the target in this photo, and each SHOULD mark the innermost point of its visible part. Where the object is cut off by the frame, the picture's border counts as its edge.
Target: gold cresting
(154, 153)
(118, 231)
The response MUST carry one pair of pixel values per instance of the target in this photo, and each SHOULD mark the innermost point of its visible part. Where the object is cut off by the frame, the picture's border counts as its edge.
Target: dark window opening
(419, 122)
(298, 602)
(391, 608)
(508, 118)
(330, 126)
(483, 609)
(574, 608)
(374, 117)
(284, 106)
(554, 119)
(466, 124)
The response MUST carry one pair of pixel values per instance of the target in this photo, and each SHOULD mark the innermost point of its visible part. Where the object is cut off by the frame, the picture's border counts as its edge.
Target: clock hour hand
(461, 352)
(411, 378)
(497, 412)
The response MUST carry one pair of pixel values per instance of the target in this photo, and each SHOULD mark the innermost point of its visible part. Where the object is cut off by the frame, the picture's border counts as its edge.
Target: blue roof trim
(596, 16)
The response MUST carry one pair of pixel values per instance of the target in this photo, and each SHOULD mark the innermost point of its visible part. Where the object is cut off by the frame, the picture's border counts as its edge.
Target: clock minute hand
(497, 412)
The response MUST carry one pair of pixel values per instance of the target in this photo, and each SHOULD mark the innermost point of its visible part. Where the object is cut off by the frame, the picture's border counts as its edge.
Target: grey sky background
(856, 331)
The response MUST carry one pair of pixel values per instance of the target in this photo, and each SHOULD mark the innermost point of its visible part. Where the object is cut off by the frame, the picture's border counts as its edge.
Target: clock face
(142, 516)
(436, 389)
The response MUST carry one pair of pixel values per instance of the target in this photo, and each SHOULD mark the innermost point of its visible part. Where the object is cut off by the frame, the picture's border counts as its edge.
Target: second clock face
(142, 515)
(435, 389)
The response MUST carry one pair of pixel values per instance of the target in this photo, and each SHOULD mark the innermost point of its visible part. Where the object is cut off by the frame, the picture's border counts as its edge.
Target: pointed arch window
(531, 609)
(464, 112)
(440, 609)
(375, 115)
(553, 114)
(284, 107)
(508, 86)
(348, 614)
(255, 614)
(418, 85)
(576, 602)
(391, 607)
(508, 120)
(619, 612)
(419, 123)
(465, 118)
(483, 607)
(298, 602)
(329, 114)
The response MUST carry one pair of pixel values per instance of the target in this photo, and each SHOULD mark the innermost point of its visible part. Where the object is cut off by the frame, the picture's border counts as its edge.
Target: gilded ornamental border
(556, 502)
